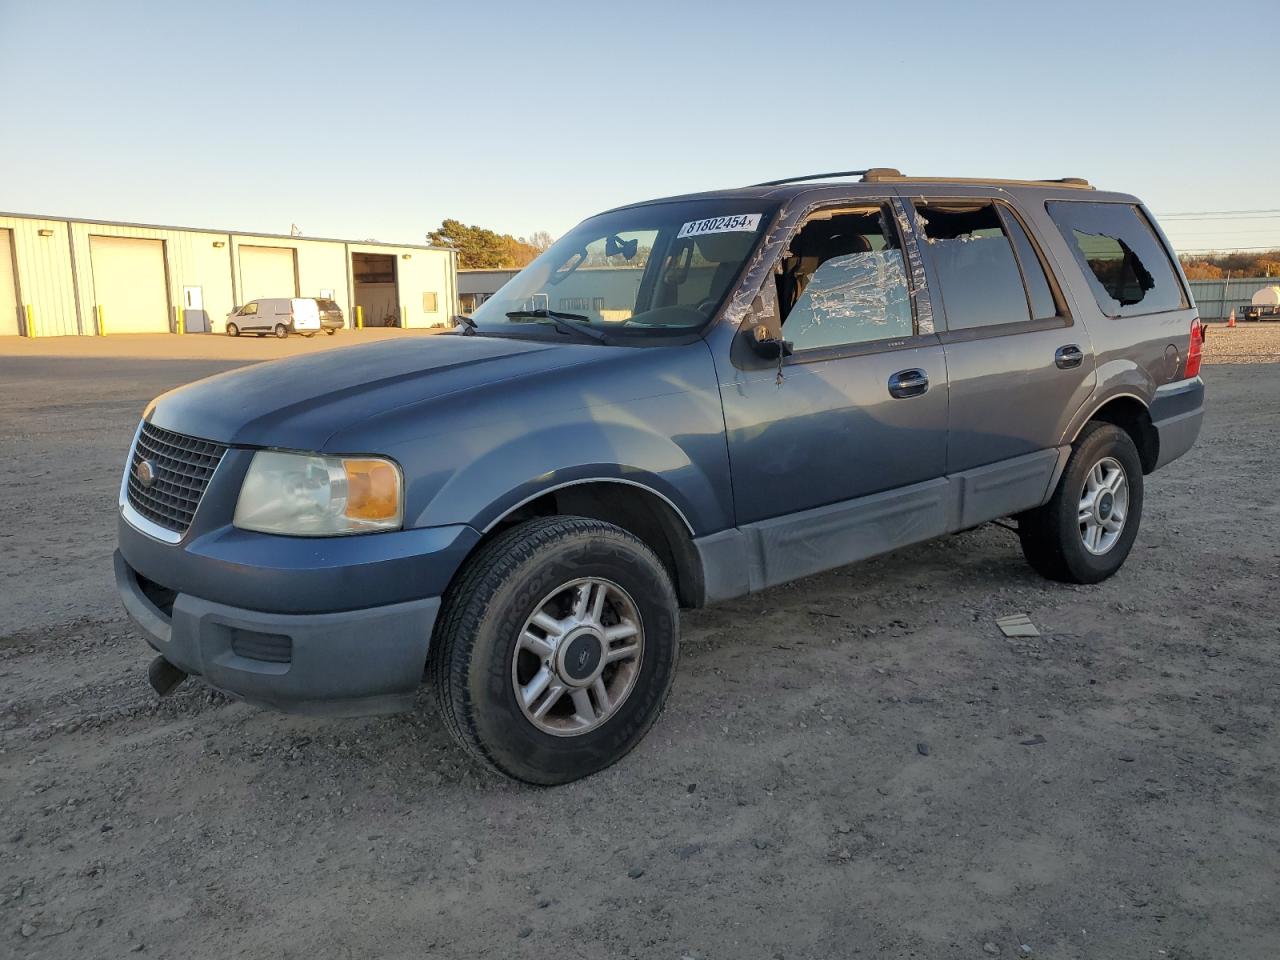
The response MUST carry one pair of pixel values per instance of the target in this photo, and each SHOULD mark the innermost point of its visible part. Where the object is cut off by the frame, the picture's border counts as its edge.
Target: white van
(278, 315)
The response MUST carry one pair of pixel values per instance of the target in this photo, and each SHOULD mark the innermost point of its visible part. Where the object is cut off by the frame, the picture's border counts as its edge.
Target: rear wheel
(1084, 533)
(281, 331)
(330, 331)
(556, 648)
(233, 330)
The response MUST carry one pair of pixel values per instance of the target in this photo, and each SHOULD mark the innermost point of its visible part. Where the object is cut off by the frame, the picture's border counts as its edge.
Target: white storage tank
(1267, 297)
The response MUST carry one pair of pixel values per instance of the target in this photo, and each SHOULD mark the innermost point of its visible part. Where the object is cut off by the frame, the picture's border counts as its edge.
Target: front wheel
(281, 331)
(1084, 533)
(233, 330)
(555, 649)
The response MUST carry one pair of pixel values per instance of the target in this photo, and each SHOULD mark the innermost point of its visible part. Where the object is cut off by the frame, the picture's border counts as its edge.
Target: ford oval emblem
(145, 471)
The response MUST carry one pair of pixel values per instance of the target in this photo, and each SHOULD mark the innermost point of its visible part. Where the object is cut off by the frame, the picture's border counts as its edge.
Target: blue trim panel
(348, 664)
(295, 575)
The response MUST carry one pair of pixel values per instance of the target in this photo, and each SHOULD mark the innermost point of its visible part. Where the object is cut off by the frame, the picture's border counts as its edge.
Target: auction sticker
(742, 222)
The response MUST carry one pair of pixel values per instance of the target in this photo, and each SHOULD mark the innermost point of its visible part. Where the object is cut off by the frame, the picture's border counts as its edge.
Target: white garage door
(8, 288)
(129, 284)
(267, 272)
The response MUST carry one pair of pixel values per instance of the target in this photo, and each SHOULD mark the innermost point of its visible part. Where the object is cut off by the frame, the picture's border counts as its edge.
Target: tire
(330, 331)
(281, 331)
(1053, 536)
(233, 330)
(479, 659)
(308, 335)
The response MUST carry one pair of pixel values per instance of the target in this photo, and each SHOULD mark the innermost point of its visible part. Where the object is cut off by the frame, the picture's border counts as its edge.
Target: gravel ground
(1244, 343)
(855, 764)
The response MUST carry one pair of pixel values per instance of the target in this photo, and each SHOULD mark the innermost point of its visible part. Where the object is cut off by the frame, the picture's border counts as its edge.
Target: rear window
(326, 304)
(1124, 261)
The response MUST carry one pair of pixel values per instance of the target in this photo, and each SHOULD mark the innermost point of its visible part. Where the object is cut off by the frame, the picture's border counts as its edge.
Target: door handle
(1068, 357)
(908, 383)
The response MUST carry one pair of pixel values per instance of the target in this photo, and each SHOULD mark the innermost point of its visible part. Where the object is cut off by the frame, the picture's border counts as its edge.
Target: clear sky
(379, 119)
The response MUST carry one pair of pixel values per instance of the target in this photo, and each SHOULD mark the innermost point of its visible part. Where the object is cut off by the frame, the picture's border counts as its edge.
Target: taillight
(1195, 350)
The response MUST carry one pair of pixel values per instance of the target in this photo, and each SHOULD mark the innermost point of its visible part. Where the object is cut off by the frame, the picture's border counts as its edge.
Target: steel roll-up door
(267, 272)
(129, 284)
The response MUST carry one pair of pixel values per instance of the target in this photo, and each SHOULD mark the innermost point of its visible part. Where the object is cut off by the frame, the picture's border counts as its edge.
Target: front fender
(671, 445)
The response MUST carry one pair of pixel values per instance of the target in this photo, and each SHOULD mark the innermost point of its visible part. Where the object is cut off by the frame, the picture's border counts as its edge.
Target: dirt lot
(856, 764)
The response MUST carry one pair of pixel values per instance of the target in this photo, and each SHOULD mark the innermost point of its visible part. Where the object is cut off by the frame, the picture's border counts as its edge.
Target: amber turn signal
(373, 490)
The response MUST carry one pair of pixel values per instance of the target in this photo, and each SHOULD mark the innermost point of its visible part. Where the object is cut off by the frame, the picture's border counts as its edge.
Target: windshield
(658, 269)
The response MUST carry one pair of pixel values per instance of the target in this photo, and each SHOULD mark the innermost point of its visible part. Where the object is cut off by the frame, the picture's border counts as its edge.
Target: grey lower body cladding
(773, 551)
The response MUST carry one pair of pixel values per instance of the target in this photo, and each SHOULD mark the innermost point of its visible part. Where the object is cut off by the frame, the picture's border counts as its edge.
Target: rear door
(1018, 364)
(306, 314)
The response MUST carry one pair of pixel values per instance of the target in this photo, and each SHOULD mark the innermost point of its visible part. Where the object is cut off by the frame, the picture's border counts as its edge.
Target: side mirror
(769, 347)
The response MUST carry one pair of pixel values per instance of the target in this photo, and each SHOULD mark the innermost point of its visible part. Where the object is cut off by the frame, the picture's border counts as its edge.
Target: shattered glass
(855, 298)
(1127, 266)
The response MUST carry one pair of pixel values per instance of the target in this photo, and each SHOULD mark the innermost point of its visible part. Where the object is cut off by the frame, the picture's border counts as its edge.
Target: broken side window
(1126, 265)
(844, 281)
(977, 270)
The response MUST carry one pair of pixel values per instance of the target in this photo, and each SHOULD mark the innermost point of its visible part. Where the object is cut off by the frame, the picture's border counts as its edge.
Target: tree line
(1216, 266)
(482, 249)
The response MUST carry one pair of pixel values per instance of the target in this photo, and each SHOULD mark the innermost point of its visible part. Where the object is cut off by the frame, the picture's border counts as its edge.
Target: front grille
(180, 470)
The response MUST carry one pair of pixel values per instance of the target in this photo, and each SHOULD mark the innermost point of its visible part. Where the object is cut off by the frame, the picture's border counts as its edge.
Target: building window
(430, 303)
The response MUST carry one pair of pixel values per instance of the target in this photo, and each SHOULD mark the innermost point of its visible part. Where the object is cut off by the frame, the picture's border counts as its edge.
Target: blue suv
(680, 402)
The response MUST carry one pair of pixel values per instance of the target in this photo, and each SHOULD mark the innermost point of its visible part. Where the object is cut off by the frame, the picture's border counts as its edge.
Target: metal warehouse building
(61, 277)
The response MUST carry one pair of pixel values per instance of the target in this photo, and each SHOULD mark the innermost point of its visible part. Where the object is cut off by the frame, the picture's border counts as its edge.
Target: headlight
(307, 495)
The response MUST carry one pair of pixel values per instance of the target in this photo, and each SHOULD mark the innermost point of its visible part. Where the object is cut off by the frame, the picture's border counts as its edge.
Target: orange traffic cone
(1231, 320)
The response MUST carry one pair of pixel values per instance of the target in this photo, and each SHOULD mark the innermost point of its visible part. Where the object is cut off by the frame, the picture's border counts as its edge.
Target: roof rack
(893, 176)
(890, 175)
(827, 176)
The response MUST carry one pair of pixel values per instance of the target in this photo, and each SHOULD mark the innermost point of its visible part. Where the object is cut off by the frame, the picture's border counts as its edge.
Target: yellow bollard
(31, 328)
(182, 321)
(102, 326)
(359, 317)
(404, 317)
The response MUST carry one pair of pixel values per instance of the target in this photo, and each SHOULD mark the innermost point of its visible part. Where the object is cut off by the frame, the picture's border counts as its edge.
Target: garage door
(8, 288)
(267, 272)
(129, 284)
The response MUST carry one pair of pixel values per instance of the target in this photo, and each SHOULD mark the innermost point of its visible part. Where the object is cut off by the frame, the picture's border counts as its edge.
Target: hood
(301, 402)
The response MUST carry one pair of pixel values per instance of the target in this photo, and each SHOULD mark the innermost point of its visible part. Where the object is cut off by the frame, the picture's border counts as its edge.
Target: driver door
(840, 451)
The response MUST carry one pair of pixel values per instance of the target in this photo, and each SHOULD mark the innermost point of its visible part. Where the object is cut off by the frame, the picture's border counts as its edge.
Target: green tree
(483, 249)
(477, 247)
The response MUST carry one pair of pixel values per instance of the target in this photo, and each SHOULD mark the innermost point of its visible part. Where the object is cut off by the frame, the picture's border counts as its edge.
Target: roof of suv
(871, 179)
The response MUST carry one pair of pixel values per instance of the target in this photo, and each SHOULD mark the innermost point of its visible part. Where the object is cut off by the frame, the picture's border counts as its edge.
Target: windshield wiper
(564, 322)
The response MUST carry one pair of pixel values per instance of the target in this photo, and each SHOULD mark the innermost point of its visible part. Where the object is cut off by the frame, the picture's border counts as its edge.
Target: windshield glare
(663, 268)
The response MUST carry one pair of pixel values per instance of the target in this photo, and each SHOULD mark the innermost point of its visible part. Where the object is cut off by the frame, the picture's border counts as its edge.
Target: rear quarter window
(1126, 265)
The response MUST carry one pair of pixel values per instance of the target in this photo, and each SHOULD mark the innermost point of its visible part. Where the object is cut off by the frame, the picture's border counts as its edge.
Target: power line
(1219, 214)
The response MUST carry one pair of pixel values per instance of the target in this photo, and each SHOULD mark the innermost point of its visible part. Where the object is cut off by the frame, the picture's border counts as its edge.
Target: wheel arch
(1130, 413)
(637, 508)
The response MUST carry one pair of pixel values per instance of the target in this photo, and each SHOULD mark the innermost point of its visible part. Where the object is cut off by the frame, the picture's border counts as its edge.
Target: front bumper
(1177, 411)
(346, 663)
